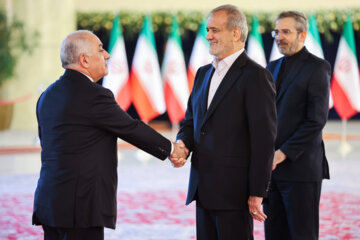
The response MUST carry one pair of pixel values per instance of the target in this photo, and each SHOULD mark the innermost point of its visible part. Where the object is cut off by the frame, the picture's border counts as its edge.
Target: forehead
(94, 39)
(285, 23)
(217, 19)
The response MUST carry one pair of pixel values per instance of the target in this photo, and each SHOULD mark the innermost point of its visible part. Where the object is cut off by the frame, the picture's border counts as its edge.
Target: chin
(282, 52)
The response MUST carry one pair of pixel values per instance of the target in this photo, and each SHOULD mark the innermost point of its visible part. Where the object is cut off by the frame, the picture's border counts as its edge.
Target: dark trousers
(292, 210)
(223, 224)
(94, 233)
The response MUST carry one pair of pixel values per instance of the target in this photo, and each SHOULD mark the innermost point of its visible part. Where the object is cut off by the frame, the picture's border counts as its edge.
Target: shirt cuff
(172, 148)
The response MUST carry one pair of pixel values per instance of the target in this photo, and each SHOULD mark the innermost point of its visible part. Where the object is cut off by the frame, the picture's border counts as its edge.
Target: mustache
(281, 42)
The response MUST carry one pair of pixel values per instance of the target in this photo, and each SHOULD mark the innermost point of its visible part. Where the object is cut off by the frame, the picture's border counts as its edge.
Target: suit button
(203, 133)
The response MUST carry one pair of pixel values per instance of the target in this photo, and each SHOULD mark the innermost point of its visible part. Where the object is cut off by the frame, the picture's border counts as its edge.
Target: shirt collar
(296, 55)
(226, 62)
(87, 76)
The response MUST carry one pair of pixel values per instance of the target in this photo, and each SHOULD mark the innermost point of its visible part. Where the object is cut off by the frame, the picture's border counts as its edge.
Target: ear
(237, 34)
(84, 60)
(302, 36)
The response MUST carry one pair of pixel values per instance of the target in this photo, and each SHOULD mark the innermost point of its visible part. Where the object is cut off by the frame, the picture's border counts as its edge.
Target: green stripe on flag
(202, 30)
(255, 31)
(348, 34)
(313, 30)
(115, 33)
(175, 34)
(148, 32)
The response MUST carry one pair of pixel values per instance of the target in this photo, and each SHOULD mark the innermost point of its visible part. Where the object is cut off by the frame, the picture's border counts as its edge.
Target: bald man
(79, 123)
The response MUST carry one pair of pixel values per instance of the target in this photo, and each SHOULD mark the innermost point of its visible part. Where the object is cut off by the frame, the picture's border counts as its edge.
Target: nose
(279, 37)
(107, 55)
(208, 36)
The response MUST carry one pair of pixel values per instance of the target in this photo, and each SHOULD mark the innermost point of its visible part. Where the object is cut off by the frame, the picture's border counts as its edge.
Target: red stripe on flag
(123, 97)
(191, 78)
(141, 100)
(175, 111)
(341, 101)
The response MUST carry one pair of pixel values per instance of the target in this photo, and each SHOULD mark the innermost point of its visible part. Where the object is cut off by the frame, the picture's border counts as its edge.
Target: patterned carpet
(159, 215)
(151, 196)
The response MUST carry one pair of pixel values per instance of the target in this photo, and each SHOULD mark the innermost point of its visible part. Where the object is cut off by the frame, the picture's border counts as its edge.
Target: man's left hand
(279, 157)
(255, 209)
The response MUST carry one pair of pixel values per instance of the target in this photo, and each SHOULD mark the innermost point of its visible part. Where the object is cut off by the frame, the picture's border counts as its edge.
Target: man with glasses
(302, 83)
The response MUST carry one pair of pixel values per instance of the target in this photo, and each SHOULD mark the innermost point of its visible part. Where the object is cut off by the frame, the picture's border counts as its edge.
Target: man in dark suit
(230, 127)
(302, 82)
(79, 123)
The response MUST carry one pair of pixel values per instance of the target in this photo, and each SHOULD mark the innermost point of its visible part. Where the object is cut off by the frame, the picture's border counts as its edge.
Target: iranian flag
(313, 44)
(176, 89)
(345, 85)
(146, 84)
(312, 41)
(118, 78)
(255, 48)
(200, 54)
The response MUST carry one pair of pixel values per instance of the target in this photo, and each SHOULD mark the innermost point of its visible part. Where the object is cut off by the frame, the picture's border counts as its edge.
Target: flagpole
(344, 148)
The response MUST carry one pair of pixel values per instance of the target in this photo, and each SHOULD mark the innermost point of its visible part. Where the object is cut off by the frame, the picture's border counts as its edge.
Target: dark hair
(301, 22)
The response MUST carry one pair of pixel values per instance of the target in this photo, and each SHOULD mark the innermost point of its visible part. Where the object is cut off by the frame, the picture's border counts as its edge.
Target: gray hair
(301, 22)
(235, 18)
(73, 46)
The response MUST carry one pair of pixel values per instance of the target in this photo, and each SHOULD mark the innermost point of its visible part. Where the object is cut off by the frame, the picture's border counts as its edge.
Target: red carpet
(162, 215)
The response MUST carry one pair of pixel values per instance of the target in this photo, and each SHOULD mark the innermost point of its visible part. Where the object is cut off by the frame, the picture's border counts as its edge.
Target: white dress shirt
(221, 68)
(87, 76)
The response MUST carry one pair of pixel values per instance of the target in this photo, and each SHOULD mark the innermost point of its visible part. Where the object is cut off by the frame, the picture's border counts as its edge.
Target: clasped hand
(179, 154)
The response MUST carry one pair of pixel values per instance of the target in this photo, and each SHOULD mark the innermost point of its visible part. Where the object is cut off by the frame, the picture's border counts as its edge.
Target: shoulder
(81, 85)
(317, 62)
(200, 74)
(205, 68)
(255, 69)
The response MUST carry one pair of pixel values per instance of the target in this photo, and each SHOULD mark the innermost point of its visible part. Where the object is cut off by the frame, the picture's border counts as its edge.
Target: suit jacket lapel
(205, 89)
(231, 76)
(290, 78)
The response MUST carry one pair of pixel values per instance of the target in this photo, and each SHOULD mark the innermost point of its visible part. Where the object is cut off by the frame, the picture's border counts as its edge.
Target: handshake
(179, 154)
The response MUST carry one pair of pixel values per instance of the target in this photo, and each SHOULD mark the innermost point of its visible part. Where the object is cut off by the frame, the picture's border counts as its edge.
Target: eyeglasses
(284, 32)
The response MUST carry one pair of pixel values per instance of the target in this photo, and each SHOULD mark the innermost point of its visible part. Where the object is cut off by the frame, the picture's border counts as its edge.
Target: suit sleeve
(37, 117)
(316, 115)
(111, 118)
(261, 114)
(186, 132)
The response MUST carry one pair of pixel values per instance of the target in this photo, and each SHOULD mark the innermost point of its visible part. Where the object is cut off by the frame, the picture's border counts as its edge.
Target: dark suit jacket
(79, 123)
(302, 111)
(232, 142)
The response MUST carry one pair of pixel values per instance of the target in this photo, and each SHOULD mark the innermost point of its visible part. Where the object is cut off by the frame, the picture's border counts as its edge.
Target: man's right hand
(179, 154)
